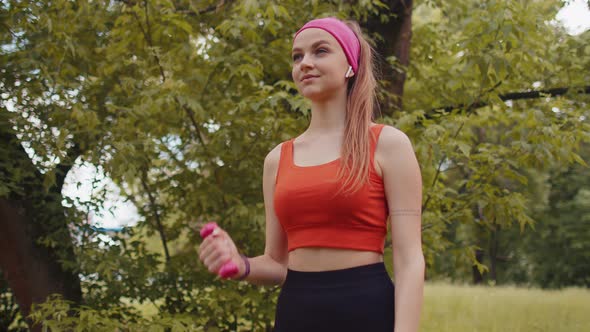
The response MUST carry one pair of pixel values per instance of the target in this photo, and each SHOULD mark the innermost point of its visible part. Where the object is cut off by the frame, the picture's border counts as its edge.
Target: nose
(306, 62)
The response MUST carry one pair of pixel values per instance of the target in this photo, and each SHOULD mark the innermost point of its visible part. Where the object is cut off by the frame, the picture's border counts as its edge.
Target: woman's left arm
(403, 188)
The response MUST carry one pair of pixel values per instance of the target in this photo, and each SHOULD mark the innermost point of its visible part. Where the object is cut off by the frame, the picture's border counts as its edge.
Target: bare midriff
(314, 259)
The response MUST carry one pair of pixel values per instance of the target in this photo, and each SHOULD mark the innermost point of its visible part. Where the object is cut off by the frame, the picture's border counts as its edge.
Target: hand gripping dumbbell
(228, 269)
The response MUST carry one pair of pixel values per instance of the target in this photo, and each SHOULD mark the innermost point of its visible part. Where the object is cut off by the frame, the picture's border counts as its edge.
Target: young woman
(327, 219)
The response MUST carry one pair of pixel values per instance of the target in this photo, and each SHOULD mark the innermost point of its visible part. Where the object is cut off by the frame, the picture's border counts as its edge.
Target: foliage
(563, 231)
(9, 315)
(475, 161)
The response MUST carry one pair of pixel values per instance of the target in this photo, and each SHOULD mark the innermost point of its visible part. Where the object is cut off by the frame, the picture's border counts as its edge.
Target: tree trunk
(477, 276)
(480, 236)
(494, 238)
(397, 34)
(28, 212)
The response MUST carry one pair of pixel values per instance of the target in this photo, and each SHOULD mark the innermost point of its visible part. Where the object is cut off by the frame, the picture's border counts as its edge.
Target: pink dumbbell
(229, 268)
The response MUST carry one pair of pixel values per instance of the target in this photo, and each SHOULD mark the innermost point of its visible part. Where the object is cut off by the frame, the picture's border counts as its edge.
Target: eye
(322, 50)
(296, 56)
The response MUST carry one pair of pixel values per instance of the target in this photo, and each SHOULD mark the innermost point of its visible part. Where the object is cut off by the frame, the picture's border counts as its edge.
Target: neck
(328, 116)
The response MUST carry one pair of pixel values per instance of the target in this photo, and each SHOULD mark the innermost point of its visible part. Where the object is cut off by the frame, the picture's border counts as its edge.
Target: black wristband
(247, 263)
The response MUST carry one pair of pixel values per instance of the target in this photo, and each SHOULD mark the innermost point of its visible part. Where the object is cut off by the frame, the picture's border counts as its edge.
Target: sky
(575, 17)
(117, 213)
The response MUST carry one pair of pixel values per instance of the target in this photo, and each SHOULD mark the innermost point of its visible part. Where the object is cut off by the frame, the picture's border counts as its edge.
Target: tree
(562, 232)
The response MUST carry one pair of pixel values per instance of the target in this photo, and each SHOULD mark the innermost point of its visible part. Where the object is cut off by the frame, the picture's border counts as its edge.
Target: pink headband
(343, 34)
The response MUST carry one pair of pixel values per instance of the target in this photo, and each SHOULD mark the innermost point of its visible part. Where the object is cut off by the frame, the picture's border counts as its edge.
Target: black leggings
(356, 299)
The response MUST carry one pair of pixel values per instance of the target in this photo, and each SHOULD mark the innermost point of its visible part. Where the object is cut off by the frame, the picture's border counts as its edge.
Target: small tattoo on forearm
(406, 212)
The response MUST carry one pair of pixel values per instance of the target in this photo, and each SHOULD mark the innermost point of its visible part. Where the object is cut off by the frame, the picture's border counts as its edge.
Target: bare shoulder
(271, 163)
(393, 145)
(393, 138)
(273, 156)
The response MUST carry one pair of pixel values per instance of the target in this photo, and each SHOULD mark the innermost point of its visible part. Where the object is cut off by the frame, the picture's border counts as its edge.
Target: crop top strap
(375, 131)
(285, 158)
(287, 150)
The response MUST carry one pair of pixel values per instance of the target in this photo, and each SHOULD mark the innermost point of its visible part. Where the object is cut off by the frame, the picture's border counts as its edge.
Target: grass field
(456, 308)
(465, 308)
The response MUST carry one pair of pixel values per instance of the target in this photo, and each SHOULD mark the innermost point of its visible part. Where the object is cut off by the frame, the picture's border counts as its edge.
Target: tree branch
(148, 38)
(188, 12)
(64, 167)
(206, 10)
(438, 169)
(155, 213)
(512, 96)
(191, 117)
(147, 35)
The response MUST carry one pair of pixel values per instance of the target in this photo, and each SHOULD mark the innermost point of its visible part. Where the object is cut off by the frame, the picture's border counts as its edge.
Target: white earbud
(348, 71)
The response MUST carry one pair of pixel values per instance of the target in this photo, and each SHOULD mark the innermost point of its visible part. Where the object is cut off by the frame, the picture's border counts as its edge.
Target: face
(319, 65)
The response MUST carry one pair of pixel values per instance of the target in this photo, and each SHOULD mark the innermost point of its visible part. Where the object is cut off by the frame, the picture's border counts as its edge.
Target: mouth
(308, 78)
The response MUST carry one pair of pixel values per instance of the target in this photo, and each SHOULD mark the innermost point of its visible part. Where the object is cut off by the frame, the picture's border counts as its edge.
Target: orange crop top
(312, 217)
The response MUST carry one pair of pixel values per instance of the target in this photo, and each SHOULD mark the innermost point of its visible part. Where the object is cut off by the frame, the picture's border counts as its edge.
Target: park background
(173, 105)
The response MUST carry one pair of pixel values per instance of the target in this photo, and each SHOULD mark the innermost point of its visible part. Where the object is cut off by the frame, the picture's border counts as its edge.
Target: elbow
(281, 266)
(417, 264)
(282, 261)
(412, 262)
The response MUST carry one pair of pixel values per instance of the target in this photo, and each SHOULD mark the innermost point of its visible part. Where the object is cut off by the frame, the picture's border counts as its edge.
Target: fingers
(214, 263)
(206, 247)
(215, 250)
(209, 248)
(206, 243)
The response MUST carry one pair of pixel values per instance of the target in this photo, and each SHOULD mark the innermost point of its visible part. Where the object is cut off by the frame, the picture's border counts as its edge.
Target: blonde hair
(360, 105)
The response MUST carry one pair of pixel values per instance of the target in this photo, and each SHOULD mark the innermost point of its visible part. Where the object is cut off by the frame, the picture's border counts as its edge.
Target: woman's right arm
(271, 267)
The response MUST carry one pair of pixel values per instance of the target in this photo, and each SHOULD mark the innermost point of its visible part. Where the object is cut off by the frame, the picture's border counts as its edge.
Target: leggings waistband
(351, 275)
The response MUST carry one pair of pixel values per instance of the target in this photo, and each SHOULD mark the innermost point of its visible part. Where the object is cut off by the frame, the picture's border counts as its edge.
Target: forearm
(264, 270)
(409, 293)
